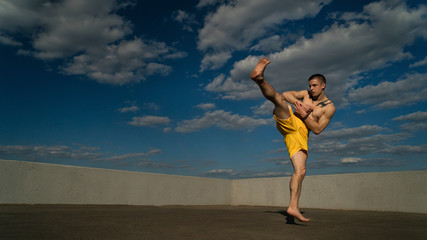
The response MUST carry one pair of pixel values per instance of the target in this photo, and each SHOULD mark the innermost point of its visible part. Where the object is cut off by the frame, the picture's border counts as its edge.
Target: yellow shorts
(295, 133)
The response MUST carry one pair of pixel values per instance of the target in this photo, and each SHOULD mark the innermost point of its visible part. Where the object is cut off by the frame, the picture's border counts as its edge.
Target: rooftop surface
(202, 222)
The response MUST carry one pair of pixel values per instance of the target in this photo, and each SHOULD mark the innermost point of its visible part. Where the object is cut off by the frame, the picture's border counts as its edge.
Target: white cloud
(180, 16)
(417, 121)
(88, 32)
(147, 163)
(220, 171)
(234, 26)
(149, 121)
(126, 62)
(234, 89)
(187, 20)
(278, 160)
(406, 149)
(341, 52)
(41, 152)
(414, 117)
(137, 159)
(214, 60)
(414, 127)
(419, 63)
(152, 106)
(357, 141)
(348, 133)
(221, 119)
(265, 109)
(206, 106)
(63, 28)
(351, 160)
(77, 152)
(204, 3)
(9, 41)
(216, 84)
(230, 173)
(269, 44)
(132, 155)
(129, 109)
(357, 146)
(406, 91)
(269, 174)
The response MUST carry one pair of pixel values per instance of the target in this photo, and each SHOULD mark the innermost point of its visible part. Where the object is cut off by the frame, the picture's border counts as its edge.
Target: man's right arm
(294, 96)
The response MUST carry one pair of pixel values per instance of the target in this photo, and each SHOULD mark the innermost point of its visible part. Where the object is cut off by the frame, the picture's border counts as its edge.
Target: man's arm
(318, 126)
(293, 96)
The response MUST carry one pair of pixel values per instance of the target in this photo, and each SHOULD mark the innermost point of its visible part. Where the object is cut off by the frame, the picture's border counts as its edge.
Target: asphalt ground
(202, 222)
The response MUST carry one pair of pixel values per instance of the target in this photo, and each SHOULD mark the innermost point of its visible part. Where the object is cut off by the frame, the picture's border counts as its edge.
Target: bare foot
(297, 214)
(258, 73)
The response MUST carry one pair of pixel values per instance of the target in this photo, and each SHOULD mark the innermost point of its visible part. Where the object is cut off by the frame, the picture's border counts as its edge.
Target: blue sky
(163, 87)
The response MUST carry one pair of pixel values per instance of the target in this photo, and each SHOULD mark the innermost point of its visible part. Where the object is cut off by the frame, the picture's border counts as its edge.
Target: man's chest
(317, 112)
(318, 108)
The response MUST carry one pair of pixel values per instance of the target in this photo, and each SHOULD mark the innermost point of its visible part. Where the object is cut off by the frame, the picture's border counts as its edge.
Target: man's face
(316, 87)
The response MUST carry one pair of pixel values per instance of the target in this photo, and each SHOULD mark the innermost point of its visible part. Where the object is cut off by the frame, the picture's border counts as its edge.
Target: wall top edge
(105, 169)
(195, 177)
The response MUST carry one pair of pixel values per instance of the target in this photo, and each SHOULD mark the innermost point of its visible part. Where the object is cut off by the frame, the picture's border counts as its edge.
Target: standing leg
(281, 109)
(299, 160)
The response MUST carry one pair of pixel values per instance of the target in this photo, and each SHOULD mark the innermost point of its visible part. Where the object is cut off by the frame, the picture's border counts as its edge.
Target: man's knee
(281, 109)
(300, 172)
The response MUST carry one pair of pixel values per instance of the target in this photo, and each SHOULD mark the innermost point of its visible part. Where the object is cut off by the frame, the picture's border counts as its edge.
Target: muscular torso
(319, 107)
(322, 111)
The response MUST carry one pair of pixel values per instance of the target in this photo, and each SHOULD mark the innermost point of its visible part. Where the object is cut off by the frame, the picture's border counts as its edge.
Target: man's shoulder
(330, 109)
(328, 106)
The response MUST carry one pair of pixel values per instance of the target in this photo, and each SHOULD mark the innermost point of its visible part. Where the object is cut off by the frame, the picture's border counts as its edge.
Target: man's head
(317, 84)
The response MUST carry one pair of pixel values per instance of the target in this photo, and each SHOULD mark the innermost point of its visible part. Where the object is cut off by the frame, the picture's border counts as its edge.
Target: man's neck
(320, 98)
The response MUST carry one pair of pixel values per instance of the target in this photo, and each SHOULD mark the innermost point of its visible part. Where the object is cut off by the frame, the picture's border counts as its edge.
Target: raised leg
(298, 160)
(281, 109)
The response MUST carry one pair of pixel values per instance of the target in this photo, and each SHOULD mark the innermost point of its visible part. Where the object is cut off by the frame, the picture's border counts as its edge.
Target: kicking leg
(299, 160)
(281, 109)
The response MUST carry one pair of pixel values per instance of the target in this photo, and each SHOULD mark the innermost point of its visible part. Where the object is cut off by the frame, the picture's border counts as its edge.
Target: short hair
(318, 76)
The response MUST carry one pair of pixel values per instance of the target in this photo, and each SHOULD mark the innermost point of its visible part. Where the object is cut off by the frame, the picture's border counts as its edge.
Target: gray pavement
(201, 222)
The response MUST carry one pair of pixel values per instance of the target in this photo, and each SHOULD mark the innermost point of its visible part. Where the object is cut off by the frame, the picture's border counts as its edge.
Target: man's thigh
(282, 110)
(299, 160)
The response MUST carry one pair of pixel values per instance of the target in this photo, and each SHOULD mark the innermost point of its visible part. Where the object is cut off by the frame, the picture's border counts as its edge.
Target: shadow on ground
(289, 218)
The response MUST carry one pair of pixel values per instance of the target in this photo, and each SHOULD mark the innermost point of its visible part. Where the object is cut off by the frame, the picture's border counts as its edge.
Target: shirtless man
(313, 111)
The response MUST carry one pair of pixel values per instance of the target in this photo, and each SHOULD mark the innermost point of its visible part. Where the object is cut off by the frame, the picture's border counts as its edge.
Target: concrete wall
(36, 183)
(395, 191)
(261, 191)
(31, 183)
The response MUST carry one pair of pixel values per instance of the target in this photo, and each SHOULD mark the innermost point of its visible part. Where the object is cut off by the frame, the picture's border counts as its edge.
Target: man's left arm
(318, 126)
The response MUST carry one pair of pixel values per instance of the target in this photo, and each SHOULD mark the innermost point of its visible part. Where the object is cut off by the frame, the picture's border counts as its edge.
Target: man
(313, 111)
